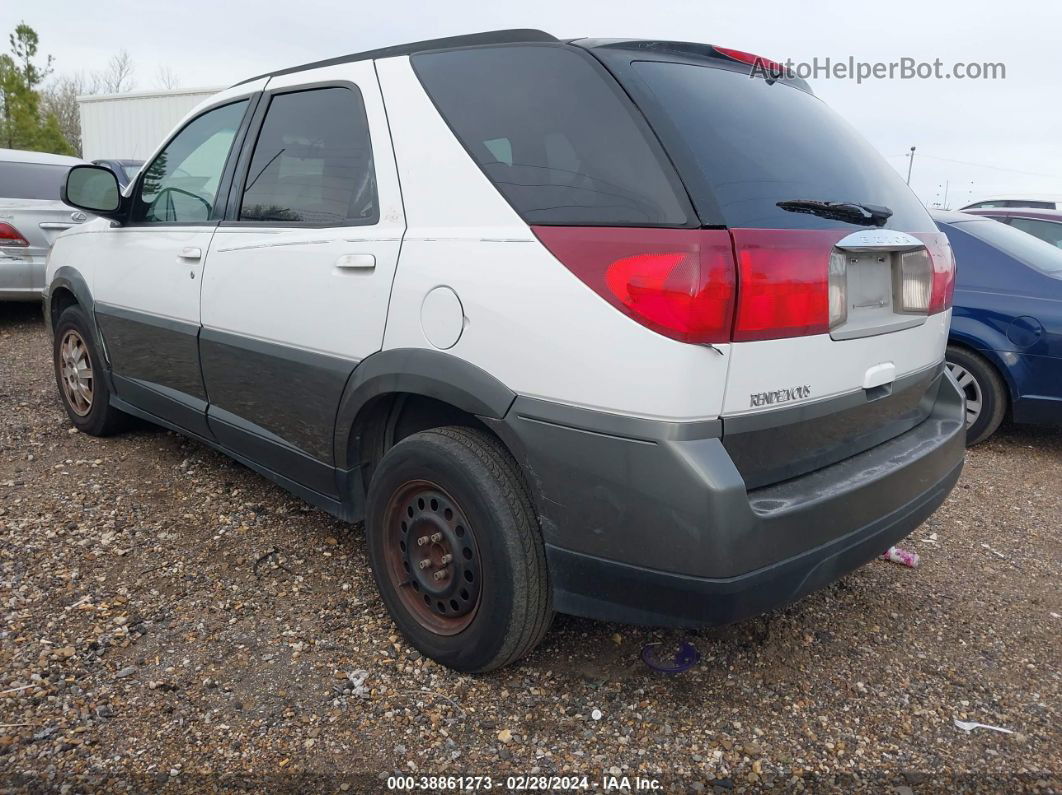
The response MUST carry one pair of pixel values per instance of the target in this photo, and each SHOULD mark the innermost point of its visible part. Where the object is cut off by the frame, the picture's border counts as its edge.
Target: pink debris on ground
(902, 556)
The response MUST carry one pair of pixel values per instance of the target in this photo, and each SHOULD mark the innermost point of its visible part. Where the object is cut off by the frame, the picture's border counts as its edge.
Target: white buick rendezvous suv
(605, 327)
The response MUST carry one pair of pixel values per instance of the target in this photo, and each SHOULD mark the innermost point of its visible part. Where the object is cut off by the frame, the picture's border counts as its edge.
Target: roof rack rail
(511, 36)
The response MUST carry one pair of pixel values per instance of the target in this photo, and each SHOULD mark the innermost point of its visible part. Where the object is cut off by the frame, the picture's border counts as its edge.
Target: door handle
(356, 262)
(54, 225)
(191, 252)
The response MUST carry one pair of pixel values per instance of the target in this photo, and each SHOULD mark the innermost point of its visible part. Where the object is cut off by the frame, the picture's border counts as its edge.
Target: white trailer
(130, 126)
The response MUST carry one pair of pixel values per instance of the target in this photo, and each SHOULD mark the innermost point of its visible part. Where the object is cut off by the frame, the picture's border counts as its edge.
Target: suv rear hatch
(840, 268)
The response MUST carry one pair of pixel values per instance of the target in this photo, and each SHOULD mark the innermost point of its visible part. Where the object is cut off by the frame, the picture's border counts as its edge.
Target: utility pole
(947, 182)
(910, 165)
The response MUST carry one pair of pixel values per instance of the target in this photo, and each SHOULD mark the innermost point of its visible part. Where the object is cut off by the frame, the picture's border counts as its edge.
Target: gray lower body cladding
(665, 530)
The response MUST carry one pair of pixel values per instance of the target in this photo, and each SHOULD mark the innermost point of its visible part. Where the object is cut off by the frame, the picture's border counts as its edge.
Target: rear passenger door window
(312, 162)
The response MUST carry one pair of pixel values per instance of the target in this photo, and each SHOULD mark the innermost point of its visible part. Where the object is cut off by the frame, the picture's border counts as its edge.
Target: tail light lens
(9, 236)
(943, 279)
(915, 276)
(785, 284)
(750, 58)
(838, 288)
(678, 282)
(941, 266)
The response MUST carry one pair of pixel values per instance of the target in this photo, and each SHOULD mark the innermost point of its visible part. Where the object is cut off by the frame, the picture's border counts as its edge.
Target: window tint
(31, 180)
(555, 135)
(754, 144)
(1023, 247)
(1047, 231)
(1030, 204)
(181, 184)
(312, 162)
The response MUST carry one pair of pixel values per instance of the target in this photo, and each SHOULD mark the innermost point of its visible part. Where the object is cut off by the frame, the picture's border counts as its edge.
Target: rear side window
(312, 162)
(745, 145)
(1029, 204)
(1048, 231)
(31, 180)
(555, 134)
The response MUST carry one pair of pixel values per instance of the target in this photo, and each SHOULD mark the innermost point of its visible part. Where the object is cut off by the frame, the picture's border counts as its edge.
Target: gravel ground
(170, 619)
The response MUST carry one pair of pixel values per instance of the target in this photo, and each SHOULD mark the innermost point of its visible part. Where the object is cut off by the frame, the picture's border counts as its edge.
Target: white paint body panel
(830, 367)
(140, 267)
(530, 322)
(304, 287)
(442, 317)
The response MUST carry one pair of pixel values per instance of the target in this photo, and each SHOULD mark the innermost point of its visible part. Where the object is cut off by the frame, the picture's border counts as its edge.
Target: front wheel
(456, 549)
(986, 395)
(79, 376)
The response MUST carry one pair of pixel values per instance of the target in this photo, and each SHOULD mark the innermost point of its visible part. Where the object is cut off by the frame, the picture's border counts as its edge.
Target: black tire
(508, 607)
(983, 381)
(101, 419)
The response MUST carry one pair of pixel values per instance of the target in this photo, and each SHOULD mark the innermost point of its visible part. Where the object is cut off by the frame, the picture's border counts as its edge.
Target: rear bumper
(664, 532)
(21, 276)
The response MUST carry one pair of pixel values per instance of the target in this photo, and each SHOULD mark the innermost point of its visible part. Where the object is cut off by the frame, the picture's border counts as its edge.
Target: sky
(974, 138)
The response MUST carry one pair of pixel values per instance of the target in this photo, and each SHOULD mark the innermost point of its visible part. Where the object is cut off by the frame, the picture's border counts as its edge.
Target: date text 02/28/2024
(531, 783)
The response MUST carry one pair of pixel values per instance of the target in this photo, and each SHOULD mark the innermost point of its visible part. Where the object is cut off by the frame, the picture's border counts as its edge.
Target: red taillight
(9, 236)
(700, 285)
(679, 282)
(943, 276)
(752, 60)
(784, 282)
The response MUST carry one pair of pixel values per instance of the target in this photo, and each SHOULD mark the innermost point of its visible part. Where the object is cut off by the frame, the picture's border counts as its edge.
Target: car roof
(1023, 212)
(953, 216)
(511, 36)
(1018, 197)
(43, 158)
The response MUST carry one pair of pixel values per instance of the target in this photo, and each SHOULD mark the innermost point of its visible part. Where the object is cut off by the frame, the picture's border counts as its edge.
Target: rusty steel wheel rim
(75, 373)
(432, 558)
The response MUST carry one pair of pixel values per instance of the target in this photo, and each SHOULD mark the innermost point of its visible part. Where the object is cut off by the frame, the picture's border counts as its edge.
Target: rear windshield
(1030, 250)
(749, 145)
(31, 180)
(555, 134)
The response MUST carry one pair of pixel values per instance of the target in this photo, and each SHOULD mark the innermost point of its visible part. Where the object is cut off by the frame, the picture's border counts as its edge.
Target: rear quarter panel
(528, 321)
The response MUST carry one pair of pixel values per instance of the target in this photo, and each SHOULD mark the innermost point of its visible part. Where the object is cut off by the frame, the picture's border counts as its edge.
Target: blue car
(1005, 344)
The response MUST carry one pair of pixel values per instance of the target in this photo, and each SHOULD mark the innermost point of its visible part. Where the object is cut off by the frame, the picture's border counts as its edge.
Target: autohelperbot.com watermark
(851, 68)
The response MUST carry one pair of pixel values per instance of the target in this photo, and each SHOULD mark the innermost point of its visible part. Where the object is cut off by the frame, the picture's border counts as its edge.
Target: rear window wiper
(865, 214)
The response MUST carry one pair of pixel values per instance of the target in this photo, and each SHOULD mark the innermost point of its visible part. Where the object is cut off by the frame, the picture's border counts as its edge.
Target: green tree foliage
(22, 123)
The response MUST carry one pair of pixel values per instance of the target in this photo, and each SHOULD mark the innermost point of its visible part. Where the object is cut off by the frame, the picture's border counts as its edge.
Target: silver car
(31, 217)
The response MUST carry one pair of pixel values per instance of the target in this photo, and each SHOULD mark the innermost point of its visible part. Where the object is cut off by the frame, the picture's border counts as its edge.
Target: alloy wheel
(970, 388)
(75, 371)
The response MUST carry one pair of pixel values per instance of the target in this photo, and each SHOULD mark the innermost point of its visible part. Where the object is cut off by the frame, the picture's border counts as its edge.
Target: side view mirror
(92, 188)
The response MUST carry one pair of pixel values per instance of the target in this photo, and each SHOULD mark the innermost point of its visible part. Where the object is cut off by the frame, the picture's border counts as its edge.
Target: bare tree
(117, 78)
(60, 95)
(167, 78)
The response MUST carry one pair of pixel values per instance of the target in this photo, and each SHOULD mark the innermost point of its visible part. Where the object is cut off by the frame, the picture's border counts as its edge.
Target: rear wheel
(986, 395)
(78, 374)
(456, 549)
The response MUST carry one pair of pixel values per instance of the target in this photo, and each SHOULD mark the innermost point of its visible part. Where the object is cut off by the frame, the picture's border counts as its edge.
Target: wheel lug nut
(439, 575)
(436, 537)
(424, 564)
(446, 558)
(422, 541)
